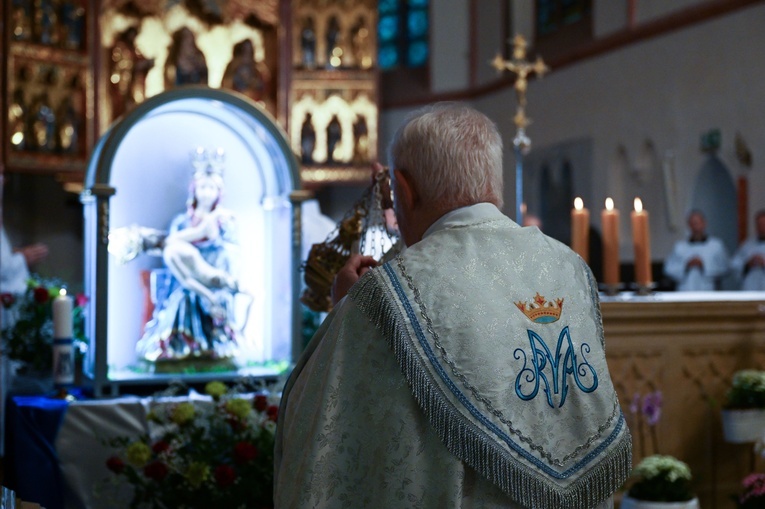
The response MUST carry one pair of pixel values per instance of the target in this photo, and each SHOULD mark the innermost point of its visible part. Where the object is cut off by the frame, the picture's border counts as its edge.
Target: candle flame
(62, 292)
(578, 203)
(609, 204)
(638, 205)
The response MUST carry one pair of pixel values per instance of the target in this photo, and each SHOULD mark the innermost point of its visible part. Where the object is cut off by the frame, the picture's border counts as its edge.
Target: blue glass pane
(418, 54)
(387, 6)
(546, 16)
(387, 57)
(417, 3)
(387, 28)
(417, 23)
(573, 10)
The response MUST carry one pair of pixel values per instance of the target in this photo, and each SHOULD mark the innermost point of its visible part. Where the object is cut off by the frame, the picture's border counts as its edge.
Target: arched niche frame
(139, 174)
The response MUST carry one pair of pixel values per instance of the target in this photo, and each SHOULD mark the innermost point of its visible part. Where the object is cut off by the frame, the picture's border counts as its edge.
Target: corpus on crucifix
(522, 69)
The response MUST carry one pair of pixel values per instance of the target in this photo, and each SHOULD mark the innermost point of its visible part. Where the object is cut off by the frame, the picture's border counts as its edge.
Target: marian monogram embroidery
(542, 365)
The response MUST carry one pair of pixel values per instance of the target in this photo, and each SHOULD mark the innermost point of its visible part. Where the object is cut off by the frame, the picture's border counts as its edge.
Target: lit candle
(580, 229)
(610, 223)
(63, 354)
(62, 316)
(642, 243)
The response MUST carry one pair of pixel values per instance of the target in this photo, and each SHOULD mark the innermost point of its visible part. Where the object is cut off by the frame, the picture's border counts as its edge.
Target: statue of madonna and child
(195, 317)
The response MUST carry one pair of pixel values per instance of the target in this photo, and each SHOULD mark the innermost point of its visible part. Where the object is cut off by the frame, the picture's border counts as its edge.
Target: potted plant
(743, 414)
(753, 492)
(661, 482)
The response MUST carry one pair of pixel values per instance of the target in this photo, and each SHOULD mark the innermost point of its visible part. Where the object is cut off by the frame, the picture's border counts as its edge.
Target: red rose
(244, 452)
(236, 424)
(41, 295)
(80, 300)
(224, 475)
(156, 470)
(261, 402)
(160, 447)
(115, 464)
(273, 412)
(7, 299)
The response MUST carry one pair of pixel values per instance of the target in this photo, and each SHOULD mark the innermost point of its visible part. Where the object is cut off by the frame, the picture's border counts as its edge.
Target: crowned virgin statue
(194, 315)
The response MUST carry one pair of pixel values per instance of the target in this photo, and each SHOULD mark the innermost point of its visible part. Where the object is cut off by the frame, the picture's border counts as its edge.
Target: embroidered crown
(541, 310)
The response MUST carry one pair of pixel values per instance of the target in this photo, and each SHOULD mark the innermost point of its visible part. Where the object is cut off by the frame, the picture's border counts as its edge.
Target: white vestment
(753, 278)
(469, 371)
(13, 268)
(712, 254)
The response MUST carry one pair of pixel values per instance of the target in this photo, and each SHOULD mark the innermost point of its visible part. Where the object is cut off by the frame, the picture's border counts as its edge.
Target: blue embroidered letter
(541, 356)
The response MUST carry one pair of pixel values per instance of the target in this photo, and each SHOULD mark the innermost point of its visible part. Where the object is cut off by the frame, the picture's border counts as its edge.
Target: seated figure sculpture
(194, 315)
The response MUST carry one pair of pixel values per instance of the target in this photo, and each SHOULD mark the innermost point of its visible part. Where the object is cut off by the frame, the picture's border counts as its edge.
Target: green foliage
(661, 479)
(747, 390)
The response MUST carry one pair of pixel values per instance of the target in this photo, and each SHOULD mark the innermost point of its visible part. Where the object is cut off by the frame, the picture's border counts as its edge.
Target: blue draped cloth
(32, 424)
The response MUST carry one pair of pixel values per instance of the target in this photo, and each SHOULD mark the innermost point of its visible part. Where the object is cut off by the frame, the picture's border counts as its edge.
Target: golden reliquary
(367, 228)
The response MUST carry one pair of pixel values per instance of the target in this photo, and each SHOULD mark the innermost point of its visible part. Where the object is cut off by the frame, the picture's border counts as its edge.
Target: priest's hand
(354, 268)
(694, 262)
(33, 253)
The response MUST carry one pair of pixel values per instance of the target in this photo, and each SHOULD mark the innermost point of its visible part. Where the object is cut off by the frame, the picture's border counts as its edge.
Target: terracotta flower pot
(632, 503)
(742, 426)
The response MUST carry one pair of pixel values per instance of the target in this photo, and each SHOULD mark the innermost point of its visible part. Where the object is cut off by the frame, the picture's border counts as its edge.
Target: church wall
(665, 92)
(449, 70)
(647, 10)
(490, 39)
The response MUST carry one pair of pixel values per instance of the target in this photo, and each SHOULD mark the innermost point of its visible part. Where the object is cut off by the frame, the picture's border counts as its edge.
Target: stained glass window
(553, 15)
(403, 30)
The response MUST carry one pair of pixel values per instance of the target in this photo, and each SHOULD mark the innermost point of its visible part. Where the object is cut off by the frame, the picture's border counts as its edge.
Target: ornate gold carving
(334, 34)
(315, 177)
(209, 48)
(348, 108)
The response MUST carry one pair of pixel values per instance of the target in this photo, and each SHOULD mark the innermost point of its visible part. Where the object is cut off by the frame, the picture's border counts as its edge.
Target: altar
(684, 345)
(687, 346)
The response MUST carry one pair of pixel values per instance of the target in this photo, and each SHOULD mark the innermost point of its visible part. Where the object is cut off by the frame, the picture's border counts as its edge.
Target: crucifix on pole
(522, 68)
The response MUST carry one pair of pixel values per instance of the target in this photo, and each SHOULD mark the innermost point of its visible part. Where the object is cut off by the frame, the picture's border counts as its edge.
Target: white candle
(62, 316)
(63, 353)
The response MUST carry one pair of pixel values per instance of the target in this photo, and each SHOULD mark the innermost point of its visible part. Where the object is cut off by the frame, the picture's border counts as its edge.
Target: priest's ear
(405, 189)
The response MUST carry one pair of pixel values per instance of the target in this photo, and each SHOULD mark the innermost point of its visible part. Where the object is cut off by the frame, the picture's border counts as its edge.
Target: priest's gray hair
(452, 152)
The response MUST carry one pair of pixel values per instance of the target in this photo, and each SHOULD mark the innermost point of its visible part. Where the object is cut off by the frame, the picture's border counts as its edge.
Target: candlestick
(63, 353)
(642, 244)
(610, 223)
(580, 230)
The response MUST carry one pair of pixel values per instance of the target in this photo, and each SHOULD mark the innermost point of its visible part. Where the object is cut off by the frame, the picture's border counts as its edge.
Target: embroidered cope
(467, 372)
